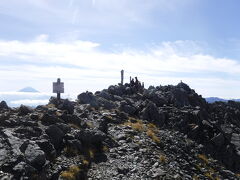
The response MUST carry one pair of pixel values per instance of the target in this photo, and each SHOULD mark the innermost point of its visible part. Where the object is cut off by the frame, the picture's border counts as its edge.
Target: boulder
(67, 105)
(104, 94)
(152, 114)
(88, 98)
(107, 104)
(47, 147)
(56, 136)
(91, 136)
(24, 110)
(218, 140)
(235, 140)
(48, 119)
(155, 96)
(3, 105)
(116, 90)
(128, 109)
(35, 156)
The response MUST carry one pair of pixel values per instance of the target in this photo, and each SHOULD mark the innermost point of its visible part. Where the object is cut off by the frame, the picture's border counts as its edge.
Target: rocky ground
(123, 132)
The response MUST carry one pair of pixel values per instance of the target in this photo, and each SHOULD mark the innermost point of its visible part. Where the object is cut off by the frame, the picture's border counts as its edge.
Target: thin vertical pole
(58, 93)
(122, 76)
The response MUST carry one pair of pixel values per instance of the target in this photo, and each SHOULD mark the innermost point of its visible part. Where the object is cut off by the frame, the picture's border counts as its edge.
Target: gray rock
(35, 156)
(88, 98)
(218, 140)
(3, 105)
(152, 114)
(47, 147)
(236, 140)
(24, 110)
(91, 136)
(56, 135)
(48, 119)
(107, 104)
(67, 105)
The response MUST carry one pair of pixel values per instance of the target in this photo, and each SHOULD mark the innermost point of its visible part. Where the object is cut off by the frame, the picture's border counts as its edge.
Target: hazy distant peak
(28, 89)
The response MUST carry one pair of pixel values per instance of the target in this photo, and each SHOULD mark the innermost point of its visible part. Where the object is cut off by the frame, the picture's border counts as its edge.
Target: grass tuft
(85, 162)
(153, 136)
(71, 173)
(203, 158)
(138, 126)
(162, 158)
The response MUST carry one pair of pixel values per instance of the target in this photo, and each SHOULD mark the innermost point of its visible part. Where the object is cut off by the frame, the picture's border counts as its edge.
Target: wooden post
(122, 76)
(58, 93)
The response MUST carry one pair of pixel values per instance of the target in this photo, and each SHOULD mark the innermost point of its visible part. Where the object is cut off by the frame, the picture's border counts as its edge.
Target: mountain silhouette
(28, 89)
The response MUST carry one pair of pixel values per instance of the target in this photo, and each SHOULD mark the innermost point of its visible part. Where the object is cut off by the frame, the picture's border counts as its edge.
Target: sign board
(58, 87)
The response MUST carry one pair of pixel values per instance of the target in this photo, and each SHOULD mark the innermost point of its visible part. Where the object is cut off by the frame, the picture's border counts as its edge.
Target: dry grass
(105, 149)
(91, 153)
(153, 136)
(132, 119)
(90, 124)
(195, 177)
(85, 162)
(50, 106)
(74, 126)
(138, 126)
(152, 126)
(203, 158)
(209, 175)
(58, 113)
(71, 173)
(162, 158)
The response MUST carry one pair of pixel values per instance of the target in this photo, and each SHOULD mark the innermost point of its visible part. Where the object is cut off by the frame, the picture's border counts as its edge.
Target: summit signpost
(58, 87)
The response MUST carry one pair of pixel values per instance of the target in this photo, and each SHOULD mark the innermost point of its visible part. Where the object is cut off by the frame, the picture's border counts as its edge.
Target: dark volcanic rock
(56, 136)
(94, 136)
(47, 147)
(24, 110)
(48, 119)
(35, 156)
(3, 105)
(152, 114)
(66, 105)
(88, 98)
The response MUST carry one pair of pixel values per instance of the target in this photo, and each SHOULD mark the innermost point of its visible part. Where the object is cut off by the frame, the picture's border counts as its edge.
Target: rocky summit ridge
(123, 132)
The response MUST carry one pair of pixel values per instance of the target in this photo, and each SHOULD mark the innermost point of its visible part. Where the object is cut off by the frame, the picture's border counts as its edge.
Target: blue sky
(88, 42)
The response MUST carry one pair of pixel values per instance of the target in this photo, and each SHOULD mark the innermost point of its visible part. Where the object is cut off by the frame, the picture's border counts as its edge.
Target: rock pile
(123, 132)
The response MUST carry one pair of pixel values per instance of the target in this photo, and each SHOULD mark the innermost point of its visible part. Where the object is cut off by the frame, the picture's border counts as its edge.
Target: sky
(87, 43)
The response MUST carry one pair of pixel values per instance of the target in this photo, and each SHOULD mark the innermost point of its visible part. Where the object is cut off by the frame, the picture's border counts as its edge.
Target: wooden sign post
(122, 76)
(58, 87)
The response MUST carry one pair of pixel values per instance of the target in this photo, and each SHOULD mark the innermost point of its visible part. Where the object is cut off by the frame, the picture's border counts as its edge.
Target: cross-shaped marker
(58, 87)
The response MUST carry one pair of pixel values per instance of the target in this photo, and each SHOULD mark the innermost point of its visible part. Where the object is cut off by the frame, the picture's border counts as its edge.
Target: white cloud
(84, 66)
(15, 99)
(29, 102)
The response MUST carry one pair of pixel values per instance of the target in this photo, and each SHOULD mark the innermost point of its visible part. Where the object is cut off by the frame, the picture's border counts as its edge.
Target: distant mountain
(28, 89)
(214, 99)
